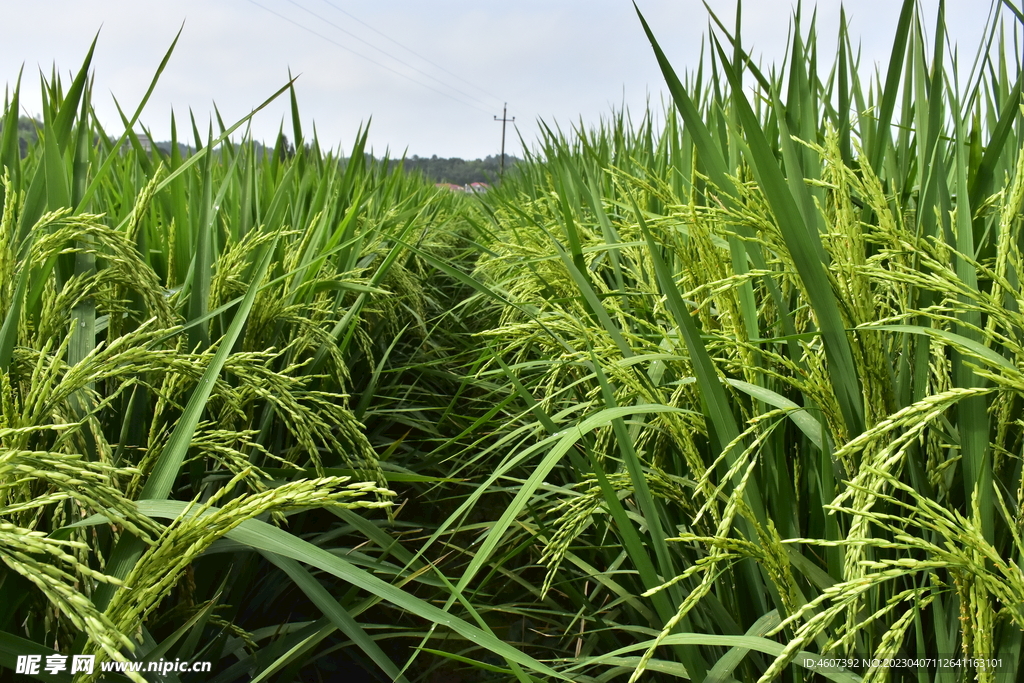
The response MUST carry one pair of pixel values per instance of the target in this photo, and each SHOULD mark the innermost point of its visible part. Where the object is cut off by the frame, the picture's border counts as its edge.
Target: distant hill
(436, 169)
(458, 171)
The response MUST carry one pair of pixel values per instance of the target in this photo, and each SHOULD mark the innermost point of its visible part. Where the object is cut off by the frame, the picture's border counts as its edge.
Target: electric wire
(386, 53)
(411, 51)
(369, 59)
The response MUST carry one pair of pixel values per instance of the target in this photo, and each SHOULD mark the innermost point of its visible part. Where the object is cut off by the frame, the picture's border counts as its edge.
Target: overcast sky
(558, 60)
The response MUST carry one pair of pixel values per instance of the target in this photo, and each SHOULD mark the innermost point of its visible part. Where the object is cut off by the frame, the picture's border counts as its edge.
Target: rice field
(726, 392)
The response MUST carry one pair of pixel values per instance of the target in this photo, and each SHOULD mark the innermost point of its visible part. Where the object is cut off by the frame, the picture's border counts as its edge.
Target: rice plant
(731, 397)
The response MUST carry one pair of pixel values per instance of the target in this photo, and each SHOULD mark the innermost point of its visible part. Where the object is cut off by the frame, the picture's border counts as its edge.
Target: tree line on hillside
(436, 169)
(458, 171)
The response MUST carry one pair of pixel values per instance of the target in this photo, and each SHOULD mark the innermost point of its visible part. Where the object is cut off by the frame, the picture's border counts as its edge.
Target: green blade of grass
(270, 539)
(716, 404)
(1016, 11)
(722, 671)
(561, 443)
(805, 248)
(755, 643)
(102, 173)
(12, 319)
(10, 146)
(338, 615)
(881, 137)
(800, 417)
(202, 259)
(973, 419)
(713, 160)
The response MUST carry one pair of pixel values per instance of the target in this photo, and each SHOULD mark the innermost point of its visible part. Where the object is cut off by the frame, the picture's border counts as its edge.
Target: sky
(428, 77)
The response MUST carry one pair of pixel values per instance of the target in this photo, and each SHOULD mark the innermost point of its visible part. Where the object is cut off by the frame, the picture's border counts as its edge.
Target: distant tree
(183, 149)
(284, 149)
(457, 171)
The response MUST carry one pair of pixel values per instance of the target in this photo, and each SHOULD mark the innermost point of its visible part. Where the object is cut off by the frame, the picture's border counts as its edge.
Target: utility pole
(504, 119)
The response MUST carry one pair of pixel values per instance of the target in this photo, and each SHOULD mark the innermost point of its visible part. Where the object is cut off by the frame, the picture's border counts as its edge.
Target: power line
(411, 51)
(386, 53)
(369, 59)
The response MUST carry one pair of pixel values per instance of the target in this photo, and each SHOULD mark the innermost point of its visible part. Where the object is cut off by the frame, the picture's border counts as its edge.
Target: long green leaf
(805, 248)
(265, 537)
(338, 615)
